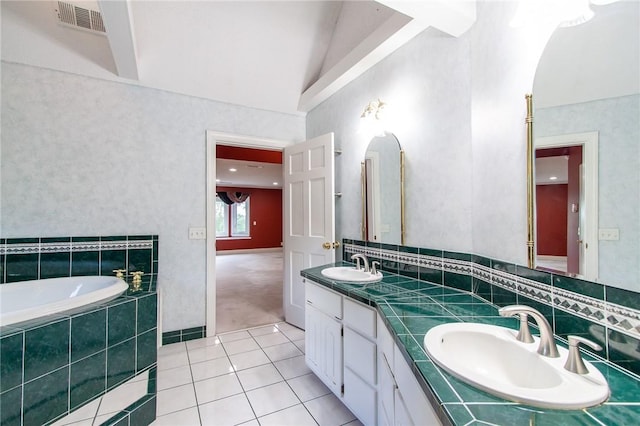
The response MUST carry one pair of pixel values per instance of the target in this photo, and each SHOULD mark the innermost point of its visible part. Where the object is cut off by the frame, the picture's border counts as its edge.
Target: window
(232, 220)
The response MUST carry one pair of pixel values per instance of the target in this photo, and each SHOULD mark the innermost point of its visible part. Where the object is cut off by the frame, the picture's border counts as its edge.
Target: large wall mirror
(383, 191)
(586, 128)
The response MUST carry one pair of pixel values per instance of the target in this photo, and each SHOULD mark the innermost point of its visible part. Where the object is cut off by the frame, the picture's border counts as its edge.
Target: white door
(309, 217)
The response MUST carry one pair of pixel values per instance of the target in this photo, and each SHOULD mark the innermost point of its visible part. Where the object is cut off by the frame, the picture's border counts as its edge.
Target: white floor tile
(201, 343)
(173, 360)
(188, 417)
(228, 411)
(282, 351)
(269, 399)
(245, 360)
(283, 326)
(217, 388)
(294, 334)
(328, 410)
(171, 349)
(87, 412)
(293, 416)
(122, 396)
(174, 377)
(355, 422)
(206, 353)
(213, 368)
(175, 399)
(250, 423)
(234, 335)
(257, 377)
(239, 346)
(299, 344)
(271, 339)
(267, 329)
(292, 367)
(308, 387)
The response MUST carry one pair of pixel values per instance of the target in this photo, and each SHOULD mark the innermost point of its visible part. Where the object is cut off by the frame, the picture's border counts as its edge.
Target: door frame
(212, 139)
(589, 143)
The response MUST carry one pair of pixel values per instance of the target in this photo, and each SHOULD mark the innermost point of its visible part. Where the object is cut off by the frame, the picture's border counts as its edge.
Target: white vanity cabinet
(401, 399)
(323, 335)
(360, 361)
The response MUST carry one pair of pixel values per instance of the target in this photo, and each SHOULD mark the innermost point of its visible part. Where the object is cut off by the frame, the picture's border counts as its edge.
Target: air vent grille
(80, 17)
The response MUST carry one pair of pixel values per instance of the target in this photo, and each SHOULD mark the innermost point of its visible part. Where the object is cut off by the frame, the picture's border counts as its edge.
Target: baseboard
(246, 251)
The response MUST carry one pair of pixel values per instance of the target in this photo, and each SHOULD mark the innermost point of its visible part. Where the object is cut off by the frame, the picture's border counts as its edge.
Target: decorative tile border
(616, 317)
(74, 246)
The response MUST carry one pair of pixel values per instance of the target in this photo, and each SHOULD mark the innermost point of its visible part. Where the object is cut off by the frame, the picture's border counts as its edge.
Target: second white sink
(490, 358)
(351, 274)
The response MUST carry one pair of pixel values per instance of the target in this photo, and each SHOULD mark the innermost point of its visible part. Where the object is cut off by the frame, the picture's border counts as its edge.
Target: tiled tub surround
(23, 259)
(409, 307)
(607, 315)
(52, 366)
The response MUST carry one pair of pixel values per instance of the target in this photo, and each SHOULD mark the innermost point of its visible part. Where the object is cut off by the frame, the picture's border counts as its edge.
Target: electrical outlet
(609, 234)
(197, 233)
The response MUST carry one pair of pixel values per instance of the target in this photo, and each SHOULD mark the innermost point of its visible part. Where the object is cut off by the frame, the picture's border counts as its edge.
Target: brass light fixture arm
(530, 184)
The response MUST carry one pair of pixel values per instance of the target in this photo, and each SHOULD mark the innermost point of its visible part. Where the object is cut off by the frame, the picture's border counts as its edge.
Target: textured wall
(82, 156)
(426, 86)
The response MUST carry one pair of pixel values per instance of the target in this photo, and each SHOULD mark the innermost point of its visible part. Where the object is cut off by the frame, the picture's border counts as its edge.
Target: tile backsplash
(606, 315)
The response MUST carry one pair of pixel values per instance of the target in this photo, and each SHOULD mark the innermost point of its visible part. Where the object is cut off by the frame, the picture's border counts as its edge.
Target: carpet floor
(248, 290)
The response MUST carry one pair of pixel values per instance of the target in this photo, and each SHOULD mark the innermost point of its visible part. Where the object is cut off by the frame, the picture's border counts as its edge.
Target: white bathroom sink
(490, 358)
(351, 274)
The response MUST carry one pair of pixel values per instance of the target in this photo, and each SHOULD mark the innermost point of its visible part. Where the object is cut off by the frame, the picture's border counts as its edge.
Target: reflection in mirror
(587, 82)
(383, 191)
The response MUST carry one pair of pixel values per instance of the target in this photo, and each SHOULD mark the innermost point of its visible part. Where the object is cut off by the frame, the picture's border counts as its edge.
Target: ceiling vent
(80, 17)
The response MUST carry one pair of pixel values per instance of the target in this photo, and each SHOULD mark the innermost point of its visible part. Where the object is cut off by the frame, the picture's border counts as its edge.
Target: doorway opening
(250, 252)
(566, 172)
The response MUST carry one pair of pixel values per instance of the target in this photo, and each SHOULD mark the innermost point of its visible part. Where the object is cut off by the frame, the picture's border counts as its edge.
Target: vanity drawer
(324, 300)
(360, 355)
(360, 318)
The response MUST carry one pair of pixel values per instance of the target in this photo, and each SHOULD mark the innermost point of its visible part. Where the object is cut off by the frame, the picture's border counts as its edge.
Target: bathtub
(25, 300)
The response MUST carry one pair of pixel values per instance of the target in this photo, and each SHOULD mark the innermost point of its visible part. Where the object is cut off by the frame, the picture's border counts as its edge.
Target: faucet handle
(374, 270)
(574, 363)
(119, 273)
(524, 334)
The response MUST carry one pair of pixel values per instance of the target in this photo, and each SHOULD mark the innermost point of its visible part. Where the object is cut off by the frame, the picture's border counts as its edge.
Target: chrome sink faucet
(357, 257)
(547, 344)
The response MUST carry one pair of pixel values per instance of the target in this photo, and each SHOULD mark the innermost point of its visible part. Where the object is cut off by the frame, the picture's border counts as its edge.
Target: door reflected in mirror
(587, 82)
(383, 191)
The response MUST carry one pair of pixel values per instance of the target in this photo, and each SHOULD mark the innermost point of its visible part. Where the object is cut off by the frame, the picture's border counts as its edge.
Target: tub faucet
(547, 344)
(365, 261)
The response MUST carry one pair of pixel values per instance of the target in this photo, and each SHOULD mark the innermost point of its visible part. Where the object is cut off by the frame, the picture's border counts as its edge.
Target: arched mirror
(383, 191)
(586, 135)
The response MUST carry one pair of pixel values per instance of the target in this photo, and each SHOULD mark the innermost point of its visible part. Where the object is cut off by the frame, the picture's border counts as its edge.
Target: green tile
(146, 349)
(147, 313)
(140, 260)
(144, 411)
(11, 354)
(617, 414)
(55, 265)
(439, 385)
(458, 414)
(121, 322)
(112, 259)
(502, 297)
(88, 379)
(21, 267)
(121, 363)
(10, 407)
(85, 263)
(623, 297)
(88, 334)
(84, 239)
(585, 288)
(459, 281)
(46, 349)
(47, 397)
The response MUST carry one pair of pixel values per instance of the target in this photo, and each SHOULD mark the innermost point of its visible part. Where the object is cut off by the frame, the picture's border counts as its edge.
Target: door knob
(329, 246)
(336, 244)
(326, 246)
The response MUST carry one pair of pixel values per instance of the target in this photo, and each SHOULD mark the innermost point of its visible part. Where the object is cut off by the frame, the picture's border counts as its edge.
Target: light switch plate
(197, 233)
(608, 234)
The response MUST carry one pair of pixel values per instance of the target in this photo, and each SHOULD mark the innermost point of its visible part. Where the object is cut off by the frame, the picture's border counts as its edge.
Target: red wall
(573, 220)
(551, 214)
(248, 154)
(266, 210)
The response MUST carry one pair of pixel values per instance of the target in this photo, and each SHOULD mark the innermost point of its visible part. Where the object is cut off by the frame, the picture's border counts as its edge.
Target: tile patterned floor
(250, 377)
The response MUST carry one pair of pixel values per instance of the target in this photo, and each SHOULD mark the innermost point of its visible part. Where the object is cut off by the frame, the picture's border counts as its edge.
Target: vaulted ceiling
(285, 56)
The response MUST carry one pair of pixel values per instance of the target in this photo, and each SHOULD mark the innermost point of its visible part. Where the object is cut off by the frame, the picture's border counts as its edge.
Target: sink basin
(490, 358)
(351, 274)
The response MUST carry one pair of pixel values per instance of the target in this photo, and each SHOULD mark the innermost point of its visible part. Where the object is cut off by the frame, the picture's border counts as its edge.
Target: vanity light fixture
(233, 170)
(553, 178)
(275, 183)
(372, 117)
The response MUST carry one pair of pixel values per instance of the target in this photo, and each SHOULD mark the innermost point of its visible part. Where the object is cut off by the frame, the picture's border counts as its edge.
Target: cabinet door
(360, 397)
(323, 348)
(360, 355)
(386, 392)
(402, 417)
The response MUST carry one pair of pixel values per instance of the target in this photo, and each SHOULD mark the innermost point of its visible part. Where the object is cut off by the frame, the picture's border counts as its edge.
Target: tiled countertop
(411, 307)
